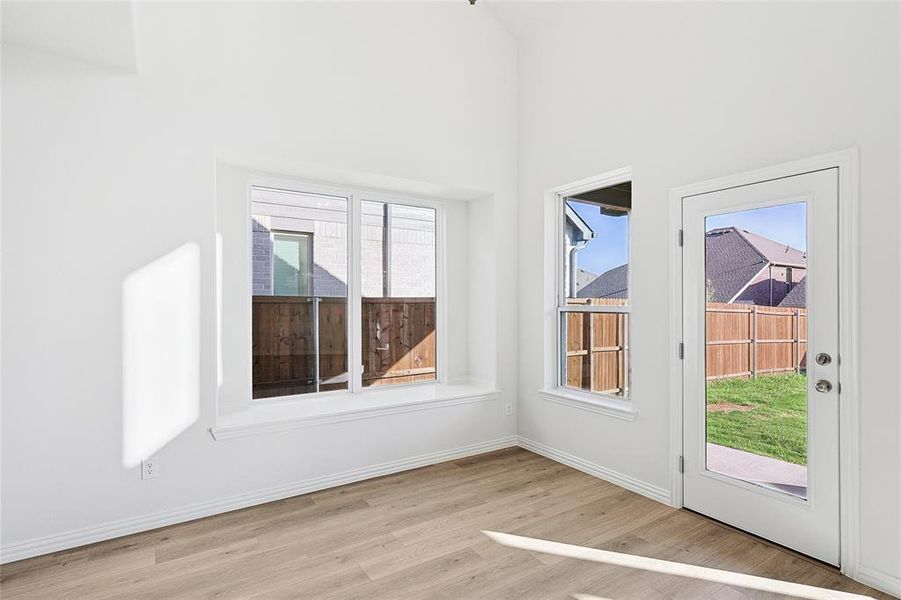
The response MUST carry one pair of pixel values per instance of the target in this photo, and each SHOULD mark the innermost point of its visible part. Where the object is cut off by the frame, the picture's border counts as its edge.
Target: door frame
(846, 161)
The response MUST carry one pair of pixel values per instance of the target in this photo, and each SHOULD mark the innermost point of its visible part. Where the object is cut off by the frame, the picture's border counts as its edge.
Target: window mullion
(354, 297)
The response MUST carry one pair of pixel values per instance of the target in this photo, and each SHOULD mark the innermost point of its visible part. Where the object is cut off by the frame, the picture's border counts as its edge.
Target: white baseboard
(630, 483)
(81, 537)
(880, 580)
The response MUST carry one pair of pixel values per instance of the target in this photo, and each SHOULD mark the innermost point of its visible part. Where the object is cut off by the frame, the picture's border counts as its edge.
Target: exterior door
(761, 335)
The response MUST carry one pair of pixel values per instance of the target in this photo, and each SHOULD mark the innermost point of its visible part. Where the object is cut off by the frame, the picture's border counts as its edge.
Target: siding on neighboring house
(770, 286)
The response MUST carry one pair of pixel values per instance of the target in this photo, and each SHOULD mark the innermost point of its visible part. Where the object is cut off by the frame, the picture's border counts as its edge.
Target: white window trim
(554, 298)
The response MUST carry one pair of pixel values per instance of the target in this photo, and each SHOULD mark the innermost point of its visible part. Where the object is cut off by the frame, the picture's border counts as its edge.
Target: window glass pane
(398, 304)
(596, 244)
(595, 352)
(594, 346)
(756, 346)
(299, 271)
(292, 264)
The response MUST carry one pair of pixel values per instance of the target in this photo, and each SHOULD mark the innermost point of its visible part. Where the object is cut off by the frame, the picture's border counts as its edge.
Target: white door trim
(847, 163)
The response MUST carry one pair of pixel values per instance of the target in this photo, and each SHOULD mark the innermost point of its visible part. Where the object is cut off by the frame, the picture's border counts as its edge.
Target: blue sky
(786, 223)
(610, 247)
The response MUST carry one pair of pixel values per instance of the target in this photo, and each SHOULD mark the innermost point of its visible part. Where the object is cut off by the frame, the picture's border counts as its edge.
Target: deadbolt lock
(823, 386)
(823, 359)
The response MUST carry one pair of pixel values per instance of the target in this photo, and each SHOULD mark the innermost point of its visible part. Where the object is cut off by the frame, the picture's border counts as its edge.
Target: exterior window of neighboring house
(306, 310)
(788, 279)
(292, 264)
(593, 303)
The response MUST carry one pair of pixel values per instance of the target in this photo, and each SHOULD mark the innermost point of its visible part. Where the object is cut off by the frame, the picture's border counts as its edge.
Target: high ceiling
(100, 33)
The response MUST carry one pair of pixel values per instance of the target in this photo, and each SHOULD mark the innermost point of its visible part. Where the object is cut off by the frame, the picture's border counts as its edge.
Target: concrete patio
(761, 470)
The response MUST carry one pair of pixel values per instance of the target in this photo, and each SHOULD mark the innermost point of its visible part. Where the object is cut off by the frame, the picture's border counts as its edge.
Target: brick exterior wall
(261, 250)
(412, 262)
(412, 244)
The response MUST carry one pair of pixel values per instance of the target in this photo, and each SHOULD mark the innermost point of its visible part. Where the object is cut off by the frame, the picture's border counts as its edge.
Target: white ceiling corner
(99, 33)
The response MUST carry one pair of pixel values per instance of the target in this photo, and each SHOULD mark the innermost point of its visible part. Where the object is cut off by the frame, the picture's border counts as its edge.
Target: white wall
(105, 172)
(684, 92)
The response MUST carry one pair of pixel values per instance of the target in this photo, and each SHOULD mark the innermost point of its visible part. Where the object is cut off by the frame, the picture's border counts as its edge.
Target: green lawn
(766, 416)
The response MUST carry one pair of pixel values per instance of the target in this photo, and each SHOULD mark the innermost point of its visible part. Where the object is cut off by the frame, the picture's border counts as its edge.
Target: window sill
(337, 408)
(602, 405)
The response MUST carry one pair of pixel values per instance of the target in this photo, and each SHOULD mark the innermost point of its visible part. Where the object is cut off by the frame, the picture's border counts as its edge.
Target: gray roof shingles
(731, 262)
(733, 257)
(797, 296)
(609, 284)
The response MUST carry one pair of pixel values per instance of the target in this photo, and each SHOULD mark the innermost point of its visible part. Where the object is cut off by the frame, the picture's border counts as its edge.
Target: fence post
(315, 300)
(797, 341)
(754, 342)
(625, 350)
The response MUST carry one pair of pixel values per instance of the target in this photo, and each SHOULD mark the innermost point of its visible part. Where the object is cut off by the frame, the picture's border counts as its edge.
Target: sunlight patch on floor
(666, 567)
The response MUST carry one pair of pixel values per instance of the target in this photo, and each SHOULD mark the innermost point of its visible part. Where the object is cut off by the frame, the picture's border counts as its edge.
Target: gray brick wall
(412, 262)
(330, 259)
(372, 261)
(261, 249)
(412, 248)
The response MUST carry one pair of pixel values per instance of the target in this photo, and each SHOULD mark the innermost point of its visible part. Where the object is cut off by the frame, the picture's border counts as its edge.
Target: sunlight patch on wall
(160, 352)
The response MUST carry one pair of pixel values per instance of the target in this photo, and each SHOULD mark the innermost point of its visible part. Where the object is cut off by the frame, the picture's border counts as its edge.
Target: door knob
(823, 359)
(823, 386)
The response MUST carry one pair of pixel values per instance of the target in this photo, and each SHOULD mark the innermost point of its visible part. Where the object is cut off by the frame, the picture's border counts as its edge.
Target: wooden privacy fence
(290, 346)
(745, 340)
(398, 340)
(742, 341)
(597, 348)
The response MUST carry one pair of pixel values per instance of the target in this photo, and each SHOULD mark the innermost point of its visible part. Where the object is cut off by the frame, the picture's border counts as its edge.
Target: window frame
(555, 389)
(354, 196)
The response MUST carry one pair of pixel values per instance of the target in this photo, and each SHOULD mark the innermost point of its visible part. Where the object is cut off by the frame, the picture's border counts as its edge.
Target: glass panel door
(760, 413)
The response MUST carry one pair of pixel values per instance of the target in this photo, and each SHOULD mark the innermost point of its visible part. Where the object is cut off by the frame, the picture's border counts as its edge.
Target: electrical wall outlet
(508, 409)
(150, 468)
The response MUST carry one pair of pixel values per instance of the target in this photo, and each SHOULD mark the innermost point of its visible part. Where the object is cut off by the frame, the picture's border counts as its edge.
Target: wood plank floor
(419, 534)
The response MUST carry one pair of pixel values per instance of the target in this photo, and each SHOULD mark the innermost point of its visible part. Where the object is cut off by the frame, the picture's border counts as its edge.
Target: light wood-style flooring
(419, 534)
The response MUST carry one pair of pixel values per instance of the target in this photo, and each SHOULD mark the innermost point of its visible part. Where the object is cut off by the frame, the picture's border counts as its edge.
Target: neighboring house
(742, 267)
(300, 247)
